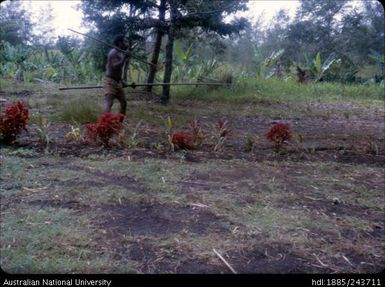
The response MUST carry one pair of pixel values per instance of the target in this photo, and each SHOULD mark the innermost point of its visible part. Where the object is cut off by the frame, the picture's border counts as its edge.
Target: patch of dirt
(107, 179)
(216, 181)
(378, 232)
(341, 209)
(20, 94)
(79, 183)
(273, 258)
(159, 220)
(57, 204)
(333, 208)
(152, 258)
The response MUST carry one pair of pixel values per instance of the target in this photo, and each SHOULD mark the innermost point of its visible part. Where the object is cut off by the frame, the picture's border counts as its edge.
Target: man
(113, 82)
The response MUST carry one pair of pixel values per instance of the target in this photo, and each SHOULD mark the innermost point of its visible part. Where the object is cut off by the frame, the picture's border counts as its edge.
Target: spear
(113, 46)
(134, 85)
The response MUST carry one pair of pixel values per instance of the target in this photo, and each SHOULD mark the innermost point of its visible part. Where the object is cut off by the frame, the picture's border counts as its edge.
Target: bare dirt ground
(317, 206)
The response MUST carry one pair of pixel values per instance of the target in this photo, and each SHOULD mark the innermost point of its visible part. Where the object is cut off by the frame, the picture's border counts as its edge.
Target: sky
(269, 8)
(66, 15)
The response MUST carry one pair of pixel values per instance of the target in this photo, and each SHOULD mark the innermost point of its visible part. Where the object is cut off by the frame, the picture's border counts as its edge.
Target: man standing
(113, 81)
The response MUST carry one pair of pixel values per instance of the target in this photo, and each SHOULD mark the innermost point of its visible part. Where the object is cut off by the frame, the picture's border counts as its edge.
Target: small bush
(187, 140)
(107, 126)
(278, 134)
(182, 140)
(12, 121)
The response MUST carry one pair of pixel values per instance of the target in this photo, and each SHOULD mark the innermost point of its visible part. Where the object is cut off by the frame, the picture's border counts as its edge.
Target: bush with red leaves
(187, 140)
(278, 134)
(107, 126)
(223, 129)
(222, 134)
(182, 140)
(12, 121)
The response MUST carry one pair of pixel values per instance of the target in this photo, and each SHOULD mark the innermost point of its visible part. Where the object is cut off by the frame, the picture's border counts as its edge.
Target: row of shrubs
(15, 117)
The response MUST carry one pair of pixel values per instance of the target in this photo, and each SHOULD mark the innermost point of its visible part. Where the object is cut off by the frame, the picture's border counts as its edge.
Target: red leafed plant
(224, 130)
(188, 140)
(12, 121)
(278, 134)
(222, 134)
(182, 140)
(107, 126)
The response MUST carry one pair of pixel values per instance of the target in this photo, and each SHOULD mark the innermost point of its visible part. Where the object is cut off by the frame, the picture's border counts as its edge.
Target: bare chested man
(113, 82)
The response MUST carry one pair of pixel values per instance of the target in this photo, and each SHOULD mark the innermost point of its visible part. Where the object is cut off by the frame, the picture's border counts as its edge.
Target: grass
(80, 111)
(53, 206)
(49, 240)
(273, 91)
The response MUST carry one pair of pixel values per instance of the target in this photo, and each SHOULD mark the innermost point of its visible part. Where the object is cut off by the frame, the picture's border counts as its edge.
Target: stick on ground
(224, 261)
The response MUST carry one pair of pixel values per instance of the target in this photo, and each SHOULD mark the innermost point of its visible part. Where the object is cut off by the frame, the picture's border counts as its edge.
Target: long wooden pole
(113, 46)
(133, 85)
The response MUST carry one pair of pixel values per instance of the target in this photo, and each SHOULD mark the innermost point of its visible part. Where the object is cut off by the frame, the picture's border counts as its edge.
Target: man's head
(121, 42)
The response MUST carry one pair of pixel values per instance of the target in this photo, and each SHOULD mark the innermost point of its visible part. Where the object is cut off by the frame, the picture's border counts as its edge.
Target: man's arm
(117, 60)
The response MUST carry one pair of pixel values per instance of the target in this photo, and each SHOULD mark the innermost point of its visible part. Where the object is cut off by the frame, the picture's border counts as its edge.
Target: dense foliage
(330, 40)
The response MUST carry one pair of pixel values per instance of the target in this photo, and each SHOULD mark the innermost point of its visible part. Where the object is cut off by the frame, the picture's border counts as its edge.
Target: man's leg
(108, 101)
(109, 93)
(123, 102)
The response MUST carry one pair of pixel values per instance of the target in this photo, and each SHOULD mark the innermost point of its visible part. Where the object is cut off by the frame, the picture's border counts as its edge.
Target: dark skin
(116, 62)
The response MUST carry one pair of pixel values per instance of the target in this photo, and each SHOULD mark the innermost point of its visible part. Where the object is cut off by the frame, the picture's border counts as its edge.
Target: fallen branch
(133, 85)
(224, 261)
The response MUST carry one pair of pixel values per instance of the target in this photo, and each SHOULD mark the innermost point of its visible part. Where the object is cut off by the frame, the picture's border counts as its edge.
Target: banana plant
(14, 59)
(204, 69)
(184, 58)
(318, 68)
(270, 62)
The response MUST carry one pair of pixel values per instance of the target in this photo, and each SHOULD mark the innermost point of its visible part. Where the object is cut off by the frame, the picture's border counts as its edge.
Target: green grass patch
(272, 91)
(49, 241)
(81, 111)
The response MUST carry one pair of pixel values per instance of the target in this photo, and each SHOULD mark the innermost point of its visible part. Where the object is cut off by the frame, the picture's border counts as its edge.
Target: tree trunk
(157, 45)
(20, 73)
(169, 51)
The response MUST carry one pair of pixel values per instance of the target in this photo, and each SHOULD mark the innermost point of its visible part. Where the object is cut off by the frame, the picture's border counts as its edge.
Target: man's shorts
(113, 87)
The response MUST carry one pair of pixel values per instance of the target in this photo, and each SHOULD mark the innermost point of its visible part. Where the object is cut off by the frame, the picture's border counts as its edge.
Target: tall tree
(157, 45)
(315, 25)
(179, 14)
(15, 23)
(208, 15)
(111, 18)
